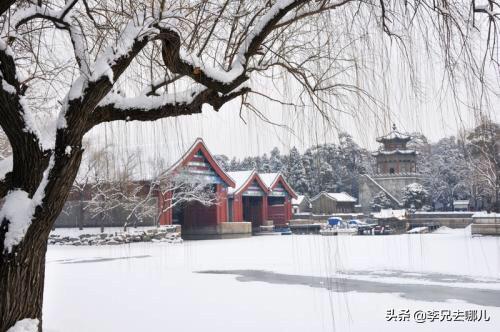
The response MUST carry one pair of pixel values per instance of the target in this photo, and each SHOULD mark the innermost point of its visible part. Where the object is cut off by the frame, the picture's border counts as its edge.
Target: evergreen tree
(296, 173)
(223, 161)
(234, 165)
(415, 196)
(275, 161)
(382, 201)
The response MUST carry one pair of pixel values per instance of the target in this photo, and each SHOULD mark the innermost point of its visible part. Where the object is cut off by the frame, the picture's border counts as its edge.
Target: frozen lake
(290, 283)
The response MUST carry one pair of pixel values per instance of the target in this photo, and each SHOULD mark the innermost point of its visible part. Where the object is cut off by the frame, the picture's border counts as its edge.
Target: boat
(283, 230)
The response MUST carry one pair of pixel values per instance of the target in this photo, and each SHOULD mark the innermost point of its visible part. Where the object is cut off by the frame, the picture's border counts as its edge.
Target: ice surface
(156, 287)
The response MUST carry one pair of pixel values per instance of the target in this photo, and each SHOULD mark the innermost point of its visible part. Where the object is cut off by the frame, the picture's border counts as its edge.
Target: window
(391, 170)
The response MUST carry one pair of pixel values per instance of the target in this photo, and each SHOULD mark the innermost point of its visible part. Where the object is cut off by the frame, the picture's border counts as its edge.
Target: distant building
(396, 167)
(397, 219)
(279, 198)
(330, 203)
(301, 204)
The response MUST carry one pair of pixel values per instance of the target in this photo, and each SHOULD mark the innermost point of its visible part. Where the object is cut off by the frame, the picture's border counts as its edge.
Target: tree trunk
(22, 279)
(22, 271)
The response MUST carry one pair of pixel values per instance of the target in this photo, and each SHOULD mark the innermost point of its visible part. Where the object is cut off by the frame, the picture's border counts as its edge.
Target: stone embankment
(170, 234)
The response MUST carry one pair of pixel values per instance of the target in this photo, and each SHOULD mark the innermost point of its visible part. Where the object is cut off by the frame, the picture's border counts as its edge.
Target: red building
(244, 197)
(198, 163)
(279, 200)
(248, 199)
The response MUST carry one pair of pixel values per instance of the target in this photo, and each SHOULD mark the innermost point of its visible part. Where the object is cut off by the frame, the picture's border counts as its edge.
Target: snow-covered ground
(289, 283)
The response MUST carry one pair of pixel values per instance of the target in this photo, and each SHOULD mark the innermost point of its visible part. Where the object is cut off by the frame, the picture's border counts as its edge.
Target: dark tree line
(332, 167)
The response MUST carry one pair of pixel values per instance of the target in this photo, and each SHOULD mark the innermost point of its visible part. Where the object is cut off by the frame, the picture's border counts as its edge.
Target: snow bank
(443, 230)
(25, 325)
(418, 230)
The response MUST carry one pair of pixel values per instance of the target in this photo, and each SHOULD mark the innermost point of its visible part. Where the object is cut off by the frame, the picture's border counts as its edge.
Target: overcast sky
(426, 104)
(435, 114)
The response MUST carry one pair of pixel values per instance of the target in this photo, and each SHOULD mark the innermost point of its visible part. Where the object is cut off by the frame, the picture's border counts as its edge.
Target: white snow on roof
(394, 134)
(240, 178)
(391, 152)
(485, 214)
(298, 200)
(342, 197)
(269, 178)
(390, 214)
(339, 197)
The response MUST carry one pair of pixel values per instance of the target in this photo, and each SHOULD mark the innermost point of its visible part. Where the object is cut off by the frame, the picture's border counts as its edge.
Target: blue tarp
(334, 221)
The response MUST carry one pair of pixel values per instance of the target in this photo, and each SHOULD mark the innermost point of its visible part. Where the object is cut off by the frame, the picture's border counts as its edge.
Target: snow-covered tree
(265, 167)
(223, 161)
(415, 196)
(445, 172)
(68, 66)
(382, 201)
(234, 165)
(296, 173)
(275, 161)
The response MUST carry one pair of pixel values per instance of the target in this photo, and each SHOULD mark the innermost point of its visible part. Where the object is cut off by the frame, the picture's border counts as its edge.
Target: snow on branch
(150, 108)
(103, 67)
(180, 61)
(131, 33)
(152, 102)
(19, 117)
(108, 66)
(492, 8)
(58, 16)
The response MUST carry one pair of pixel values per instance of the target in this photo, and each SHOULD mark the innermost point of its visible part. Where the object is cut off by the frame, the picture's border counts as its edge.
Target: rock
(164, 234)
(85, 236)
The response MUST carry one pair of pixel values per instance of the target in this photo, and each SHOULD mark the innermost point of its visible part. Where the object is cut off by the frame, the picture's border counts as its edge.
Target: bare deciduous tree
(113, 183)
(69, 65)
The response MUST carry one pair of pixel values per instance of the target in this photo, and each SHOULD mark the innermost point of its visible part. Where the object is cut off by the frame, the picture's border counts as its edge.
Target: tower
(396, 167)
(394, 158)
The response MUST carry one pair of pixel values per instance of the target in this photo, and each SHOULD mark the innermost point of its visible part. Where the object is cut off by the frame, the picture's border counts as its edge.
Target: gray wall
(452, 220)
(74, 215)
(393, 184)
